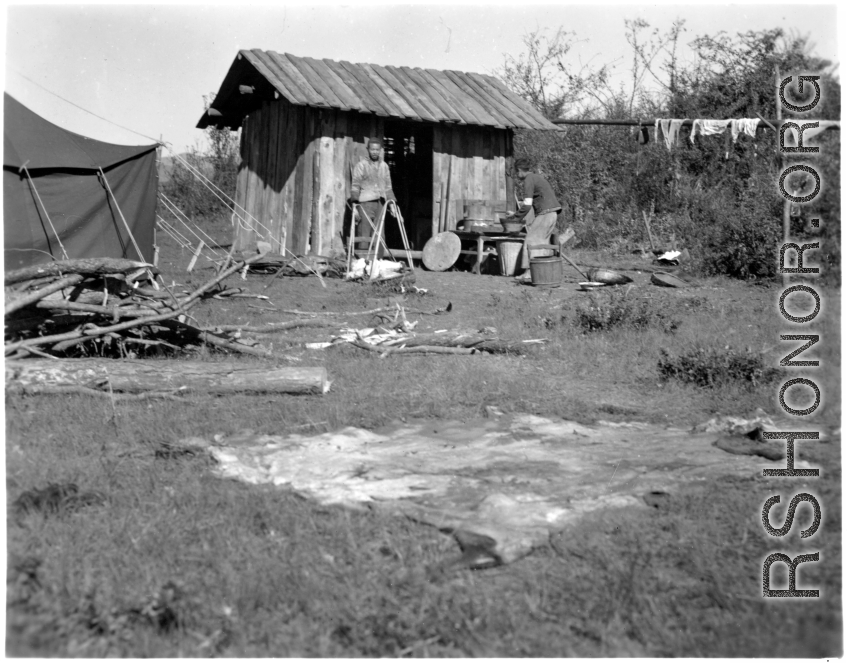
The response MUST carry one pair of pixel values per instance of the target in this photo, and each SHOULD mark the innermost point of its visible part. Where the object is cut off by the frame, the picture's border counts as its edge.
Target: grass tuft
(617, 312)
(716, 367)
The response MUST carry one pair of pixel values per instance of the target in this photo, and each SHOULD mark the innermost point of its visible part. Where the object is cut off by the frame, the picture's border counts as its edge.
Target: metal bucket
(547, 272)
(508, 252)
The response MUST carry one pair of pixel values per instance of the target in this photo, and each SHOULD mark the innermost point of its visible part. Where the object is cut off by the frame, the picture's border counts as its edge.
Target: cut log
(155, 376)
(87, 266)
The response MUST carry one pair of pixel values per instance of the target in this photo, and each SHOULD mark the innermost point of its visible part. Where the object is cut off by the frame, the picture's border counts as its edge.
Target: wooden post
(156, 225)
(442, 209)
(511, 203)
(196, 255)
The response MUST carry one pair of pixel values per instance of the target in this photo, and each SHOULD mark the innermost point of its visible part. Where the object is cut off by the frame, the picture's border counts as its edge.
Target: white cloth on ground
(708, 127)
(746, 125)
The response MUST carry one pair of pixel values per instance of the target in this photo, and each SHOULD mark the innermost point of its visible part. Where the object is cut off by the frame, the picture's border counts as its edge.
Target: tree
(537, 74)
(720, 199)
(201, 170)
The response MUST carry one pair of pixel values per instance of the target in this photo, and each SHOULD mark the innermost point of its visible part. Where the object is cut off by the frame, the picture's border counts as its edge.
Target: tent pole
(150, 276)
(126, 225)
(41, 202)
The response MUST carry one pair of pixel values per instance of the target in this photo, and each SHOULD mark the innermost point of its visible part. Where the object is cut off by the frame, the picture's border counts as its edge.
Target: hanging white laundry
(708, 127)
(673, 132)
(746, 125)
(669, 131)
(665, 124)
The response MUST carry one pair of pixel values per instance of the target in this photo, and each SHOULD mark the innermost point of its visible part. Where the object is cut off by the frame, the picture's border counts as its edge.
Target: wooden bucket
(508, 252)
(546, 272)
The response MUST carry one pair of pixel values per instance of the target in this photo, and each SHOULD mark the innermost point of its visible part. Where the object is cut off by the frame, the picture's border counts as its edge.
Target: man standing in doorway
(537, 195)
(371, 189)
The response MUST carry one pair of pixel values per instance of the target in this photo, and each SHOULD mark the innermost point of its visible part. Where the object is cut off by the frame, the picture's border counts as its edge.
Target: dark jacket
(541, 193)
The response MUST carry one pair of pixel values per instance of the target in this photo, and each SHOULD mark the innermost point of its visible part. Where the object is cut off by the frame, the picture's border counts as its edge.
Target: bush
(714, 367)
(619, 312)
(722, 202)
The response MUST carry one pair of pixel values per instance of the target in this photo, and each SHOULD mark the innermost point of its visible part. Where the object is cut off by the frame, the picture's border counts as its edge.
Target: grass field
(166, 560)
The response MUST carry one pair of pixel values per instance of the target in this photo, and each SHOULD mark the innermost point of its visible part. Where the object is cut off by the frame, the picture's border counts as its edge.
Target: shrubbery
(714, 367)
(618, 312)
(722, 202)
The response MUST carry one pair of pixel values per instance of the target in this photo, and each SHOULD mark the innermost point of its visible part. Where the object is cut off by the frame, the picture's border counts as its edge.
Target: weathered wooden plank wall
(295, 174)
(478, 170)
(297, 161)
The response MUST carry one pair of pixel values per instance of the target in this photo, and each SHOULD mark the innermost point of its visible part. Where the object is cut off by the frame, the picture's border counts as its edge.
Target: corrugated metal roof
(397, 92)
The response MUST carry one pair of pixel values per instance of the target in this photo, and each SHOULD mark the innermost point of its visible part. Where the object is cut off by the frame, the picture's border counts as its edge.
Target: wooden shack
(306, 122)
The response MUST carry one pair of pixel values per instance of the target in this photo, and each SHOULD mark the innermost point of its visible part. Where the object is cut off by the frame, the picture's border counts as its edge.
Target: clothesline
(687, 122)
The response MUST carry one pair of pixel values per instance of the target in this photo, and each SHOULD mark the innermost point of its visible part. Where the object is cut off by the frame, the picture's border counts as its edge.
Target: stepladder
(377, 238)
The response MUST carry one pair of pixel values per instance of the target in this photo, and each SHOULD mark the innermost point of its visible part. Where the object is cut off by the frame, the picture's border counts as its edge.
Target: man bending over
(537, 195)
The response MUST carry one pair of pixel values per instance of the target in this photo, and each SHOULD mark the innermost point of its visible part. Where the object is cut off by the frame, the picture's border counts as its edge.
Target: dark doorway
(408, 153)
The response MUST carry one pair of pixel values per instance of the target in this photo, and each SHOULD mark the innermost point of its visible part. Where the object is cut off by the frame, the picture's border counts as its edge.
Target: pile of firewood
(83, 306)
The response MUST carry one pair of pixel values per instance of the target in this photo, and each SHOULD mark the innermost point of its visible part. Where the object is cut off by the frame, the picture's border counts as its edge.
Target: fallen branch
(211, 283)
(383, 309)
(81, 266)
(35, 296)
(423, 349)
(91, 331)
(272, 326)
(433, 349)
(212, 339)
(113, 311)
(94, 330)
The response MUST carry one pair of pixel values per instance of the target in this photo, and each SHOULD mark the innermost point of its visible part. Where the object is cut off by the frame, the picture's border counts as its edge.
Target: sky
(147, 67)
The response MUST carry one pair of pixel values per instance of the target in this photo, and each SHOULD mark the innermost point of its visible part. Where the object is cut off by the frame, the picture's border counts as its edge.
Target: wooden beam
(405, 93)
(763, 123)
(376, 93)
(407, 111)
(341, 90)
(454, 106)
(434, 96)
(402, 75)
(484, 117)
(293, 90)
(482, 109)
(368, 100)
(317, 82)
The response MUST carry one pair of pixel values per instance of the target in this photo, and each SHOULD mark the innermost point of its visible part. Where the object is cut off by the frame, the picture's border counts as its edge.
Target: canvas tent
(56, 182)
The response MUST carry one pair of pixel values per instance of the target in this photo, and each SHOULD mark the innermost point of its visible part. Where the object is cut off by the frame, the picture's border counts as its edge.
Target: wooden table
(481, 239)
